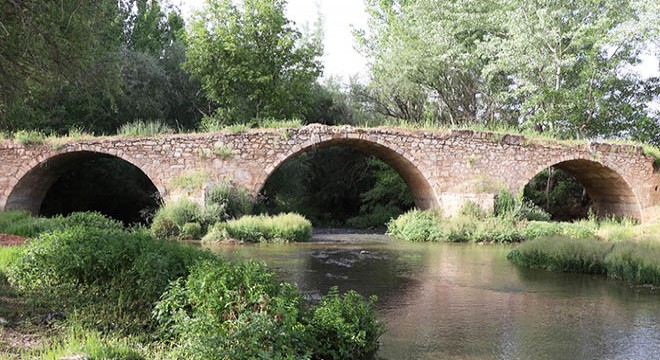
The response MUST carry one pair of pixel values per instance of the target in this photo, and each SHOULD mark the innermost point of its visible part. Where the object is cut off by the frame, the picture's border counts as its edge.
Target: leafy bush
(417, 226)
(262, 228)
(237, 310)
(235, 201)
(169, 220)
(113, 263)
(192, 230)
(345, 327)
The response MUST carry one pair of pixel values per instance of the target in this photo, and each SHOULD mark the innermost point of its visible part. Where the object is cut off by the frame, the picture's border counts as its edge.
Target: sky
(340, 59)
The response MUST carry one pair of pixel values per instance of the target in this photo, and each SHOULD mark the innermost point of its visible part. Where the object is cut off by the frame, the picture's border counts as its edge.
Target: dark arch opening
(86, 181)
(348, 182)
(567, 190)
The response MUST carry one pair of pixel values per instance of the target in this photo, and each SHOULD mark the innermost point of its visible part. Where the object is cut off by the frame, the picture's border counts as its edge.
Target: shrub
(283, 227)
(192, 230)
(82, 262)
(234, 201)
(345, 327)
(237, 310)
(169, 220)
(417, 226)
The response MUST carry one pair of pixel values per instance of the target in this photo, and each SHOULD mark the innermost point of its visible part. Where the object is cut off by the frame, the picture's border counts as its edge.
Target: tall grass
(263, 228)
(633, 261)
(144, 128)
(29, 137)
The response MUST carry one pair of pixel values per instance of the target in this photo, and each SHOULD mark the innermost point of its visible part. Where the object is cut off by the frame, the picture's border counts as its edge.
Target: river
(466, 301)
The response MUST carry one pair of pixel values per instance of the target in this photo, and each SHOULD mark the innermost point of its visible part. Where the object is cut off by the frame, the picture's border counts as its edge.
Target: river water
(465, 301)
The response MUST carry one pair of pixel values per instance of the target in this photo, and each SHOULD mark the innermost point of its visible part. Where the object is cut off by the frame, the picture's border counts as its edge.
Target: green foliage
(417, 226)
(251, 61)
(560, 67)
(337, 186)
(8, 255)
(169, 220)
(632, 261)
(635, 262)
(192, 230)
(30, 137)
(562, 254)
(234, 201)
(144, 128)
(558, 193)
(83, 263)
(231, 310)
(67, 76)
(345, 326)
(23, 223)
(283, 227)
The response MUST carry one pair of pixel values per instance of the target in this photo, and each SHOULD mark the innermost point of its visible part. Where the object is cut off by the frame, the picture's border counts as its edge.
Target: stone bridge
(442, 168)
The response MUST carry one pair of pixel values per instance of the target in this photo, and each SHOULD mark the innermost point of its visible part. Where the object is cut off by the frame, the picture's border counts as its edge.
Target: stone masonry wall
(442, 168)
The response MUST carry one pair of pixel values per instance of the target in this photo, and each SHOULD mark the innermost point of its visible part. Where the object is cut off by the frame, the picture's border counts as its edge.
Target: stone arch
(417, 181)
(610, 193)
(36, 179)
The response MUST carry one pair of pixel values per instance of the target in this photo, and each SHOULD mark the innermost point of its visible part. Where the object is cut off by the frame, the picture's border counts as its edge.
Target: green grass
(262, 228)
(29, 137)
(144, 128)
(632, 261)
(653, 152)
(9, 255)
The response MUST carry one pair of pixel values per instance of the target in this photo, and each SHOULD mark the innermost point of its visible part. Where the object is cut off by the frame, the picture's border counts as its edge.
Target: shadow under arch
(422, 192)
(33, 187)
(610, 193)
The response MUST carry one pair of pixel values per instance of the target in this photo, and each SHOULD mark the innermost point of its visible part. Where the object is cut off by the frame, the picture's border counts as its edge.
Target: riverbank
(90, 288)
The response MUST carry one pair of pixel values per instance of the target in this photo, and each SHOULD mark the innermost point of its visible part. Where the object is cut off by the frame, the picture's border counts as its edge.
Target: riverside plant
(288, 227)
(129, 295)
(632, 261)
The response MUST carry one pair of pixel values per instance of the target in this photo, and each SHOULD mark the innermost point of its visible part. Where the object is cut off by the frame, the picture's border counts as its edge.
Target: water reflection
(456, 301)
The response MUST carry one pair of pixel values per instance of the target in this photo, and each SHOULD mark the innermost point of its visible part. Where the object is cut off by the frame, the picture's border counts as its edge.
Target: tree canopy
(251, 60)
(561, 66)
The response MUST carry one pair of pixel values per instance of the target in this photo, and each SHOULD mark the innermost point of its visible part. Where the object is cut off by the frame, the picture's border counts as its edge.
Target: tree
(57, 63)
(154, 86)
(562, 66)
(251, 61)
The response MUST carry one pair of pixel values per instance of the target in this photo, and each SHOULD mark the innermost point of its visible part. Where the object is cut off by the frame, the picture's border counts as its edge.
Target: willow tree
(251, 60)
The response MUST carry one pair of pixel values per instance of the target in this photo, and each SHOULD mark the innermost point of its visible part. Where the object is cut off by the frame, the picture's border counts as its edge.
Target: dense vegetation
(633, 261)
(121, 287)
(337, 187)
